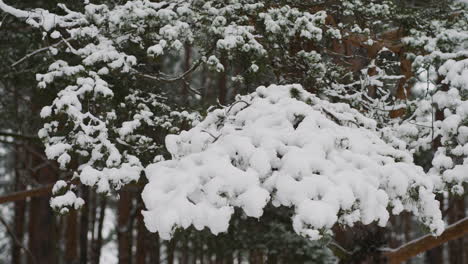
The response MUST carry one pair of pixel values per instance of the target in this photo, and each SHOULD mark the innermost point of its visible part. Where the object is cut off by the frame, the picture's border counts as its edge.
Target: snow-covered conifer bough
(279, 145)
(284, 145)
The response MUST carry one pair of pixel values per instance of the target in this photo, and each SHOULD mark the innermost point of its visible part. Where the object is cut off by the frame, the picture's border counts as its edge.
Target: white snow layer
(284, 145)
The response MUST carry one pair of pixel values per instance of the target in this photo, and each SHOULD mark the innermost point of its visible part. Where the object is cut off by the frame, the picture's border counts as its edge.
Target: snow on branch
(287, 147)
(44, 19)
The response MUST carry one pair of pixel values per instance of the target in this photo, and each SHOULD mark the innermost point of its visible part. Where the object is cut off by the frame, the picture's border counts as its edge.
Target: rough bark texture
(124, 233)
(98, 242)
(170, 248)
(141, 240)
(154, 248)
(457, 211)
(222, 84)
(41, 220)
(19, 218)
(84, 227)
(71, 243)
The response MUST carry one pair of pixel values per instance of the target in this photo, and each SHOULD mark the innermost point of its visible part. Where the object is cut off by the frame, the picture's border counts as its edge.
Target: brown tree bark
(154, 248)
(170, 250)
(256, 256)
(84, 226)
(71, 238)
(92, 218)
(272, 259)
(141, 241)
(202, 252)
(185, 252)
(19, 214)
(456, 247)
(42, 236)
(123, 227)
(425, 243)
(222, 83)
(98, 242)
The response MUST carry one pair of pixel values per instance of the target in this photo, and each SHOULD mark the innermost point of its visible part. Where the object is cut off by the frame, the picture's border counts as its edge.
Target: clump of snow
(66, 201)
(106, 177)
(58, 186)
(284, 145)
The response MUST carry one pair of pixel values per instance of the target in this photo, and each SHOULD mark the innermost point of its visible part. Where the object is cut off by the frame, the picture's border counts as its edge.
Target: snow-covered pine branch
(103, 44)
(290, 148)
(331, 163)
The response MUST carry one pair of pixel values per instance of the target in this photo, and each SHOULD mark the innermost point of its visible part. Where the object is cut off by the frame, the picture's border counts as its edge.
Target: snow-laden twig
(37, 52)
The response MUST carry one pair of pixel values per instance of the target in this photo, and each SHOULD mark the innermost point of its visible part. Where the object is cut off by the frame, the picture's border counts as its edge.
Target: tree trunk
(170, 249)
(71, 244)
(93, 218)
(19, 211)
(256, 256)
(84, 226)
(187, 61)
(41, 220)
(272, 259)
(202, 252)
(184, 258)
(154, 248)
(41, 231)
(222, 83)
(123, 227)
(98, 242)
(456, 247)
(141, 241)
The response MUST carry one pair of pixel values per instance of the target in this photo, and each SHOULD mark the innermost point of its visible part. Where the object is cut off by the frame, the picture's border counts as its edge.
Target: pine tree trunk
(141, 241)
(19, 210)
(170, 249)
(219, 254)
(186, 87)
(407, 225)
(195, 251)
(93, 218)
(71, 243)
(98, 242)
(184, 259)
(256, 256)
(456, 247)
(41, 231)
(154, 248)
(123, 224)
(272, 259)
(222, 83)
(202, 252)
(84, 227)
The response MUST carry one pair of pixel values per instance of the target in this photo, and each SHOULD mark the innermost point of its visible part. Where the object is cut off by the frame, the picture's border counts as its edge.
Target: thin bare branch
(37, 52)
(339, 251)
(173, 79)
(16, 240)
